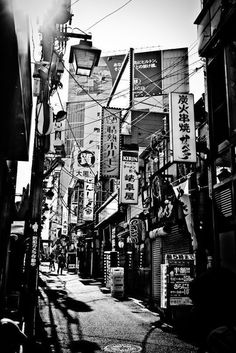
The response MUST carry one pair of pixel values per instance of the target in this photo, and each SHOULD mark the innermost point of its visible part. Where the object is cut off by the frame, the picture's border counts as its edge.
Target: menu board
(180, 272)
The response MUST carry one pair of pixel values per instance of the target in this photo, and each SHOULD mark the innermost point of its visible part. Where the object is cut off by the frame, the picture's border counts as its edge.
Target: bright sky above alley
(117, 25)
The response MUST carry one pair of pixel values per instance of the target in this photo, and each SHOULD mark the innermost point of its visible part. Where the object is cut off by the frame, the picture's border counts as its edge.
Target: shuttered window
(223, 200)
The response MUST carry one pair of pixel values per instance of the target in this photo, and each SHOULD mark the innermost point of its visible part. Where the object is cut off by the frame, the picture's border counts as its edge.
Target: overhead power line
(108, 15)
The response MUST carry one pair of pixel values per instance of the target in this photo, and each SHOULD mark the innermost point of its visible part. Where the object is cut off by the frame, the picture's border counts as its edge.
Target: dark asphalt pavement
(75, 315)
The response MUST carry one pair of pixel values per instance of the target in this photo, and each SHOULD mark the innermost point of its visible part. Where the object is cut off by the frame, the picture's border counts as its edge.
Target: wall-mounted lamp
(85, 57)
(60, 67)
(41, 69)
(45, 207)
(121, 244)
(60, 116)
(49, 194)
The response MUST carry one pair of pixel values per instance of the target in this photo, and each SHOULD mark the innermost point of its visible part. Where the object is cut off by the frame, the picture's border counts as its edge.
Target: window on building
(223, 166)
(230, 64)
(75, 125)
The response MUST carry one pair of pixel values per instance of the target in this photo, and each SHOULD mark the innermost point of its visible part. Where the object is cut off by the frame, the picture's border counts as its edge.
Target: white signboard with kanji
(88, 199)
(110, 146)
(129, 177)
(182, 127)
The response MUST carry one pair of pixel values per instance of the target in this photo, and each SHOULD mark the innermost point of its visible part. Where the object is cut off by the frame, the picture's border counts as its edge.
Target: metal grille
(177, 242)
(224, 202)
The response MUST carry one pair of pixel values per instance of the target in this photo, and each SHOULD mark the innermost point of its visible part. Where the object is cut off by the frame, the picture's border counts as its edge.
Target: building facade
(127, 221)
(216, 34)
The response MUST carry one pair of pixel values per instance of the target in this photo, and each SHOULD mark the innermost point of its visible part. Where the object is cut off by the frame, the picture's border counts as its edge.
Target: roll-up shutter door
(177, 242)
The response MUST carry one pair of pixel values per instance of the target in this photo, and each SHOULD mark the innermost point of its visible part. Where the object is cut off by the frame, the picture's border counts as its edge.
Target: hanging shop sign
(163, 198)
(58, 144)
(86, 158)
(80, 201)
(182, 127)
(183, 195)
(128, 177)
(34, 251)
(65, 215)
(110, 142)
(88, 199)
(44, 118)
(137, 230)
(146, 199)
(180, 272)
(73, 212)
(164, 286)
(84, 161)
(64, 230)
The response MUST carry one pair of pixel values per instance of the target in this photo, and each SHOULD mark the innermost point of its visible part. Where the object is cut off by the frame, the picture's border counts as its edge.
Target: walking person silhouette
(51, 262)
(61, 263)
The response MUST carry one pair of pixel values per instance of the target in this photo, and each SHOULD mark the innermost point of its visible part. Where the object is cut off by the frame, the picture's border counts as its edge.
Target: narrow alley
(77, 316)
(118, 169)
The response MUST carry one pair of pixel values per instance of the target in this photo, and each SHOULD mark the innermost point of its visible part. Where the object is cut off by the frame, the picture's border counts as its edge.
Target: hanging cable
(111, 13)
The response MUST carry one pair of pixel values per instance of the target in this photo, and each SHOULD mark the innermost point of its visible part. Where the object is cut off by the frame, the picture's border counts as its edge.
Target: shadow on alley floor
(44, 344)
(57, 297)
(52, 337)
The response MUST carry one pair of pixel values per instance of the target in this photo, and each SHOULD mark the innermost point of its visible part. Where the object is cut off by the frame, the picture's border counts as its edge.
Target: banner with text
(147, 72)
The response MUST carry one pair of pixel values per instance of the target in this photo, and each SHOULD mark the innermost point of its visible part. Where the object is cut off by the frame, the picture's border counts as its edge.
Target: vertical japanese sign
(65, 215)
(182, 127)
(73, 212)
(110, 143)
(128, 177)
(80, 202)
(64, 230)
(34, 251)
(164, 286)
(88, 199)
(34, 245)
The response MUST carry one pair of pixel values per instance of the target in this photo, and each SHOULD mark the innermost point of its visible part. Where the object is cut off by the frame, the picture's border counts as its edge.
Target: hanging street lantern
(85, 57)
